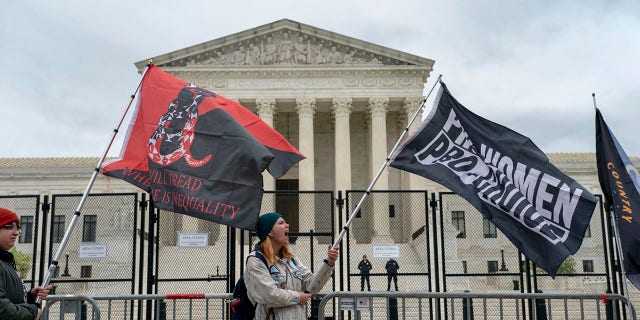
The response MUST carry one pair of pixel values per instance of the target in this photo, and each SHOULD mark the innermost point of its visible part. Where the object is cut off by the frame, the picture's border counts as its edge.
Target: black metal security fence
(390, 225)
(476, 249)
(122, 245)
(101, 254)
(476, 257)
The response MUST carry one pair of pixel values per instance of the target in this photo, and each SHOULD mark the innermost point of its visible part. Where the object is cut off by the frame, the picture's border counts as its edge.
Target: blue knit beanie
(265, 224)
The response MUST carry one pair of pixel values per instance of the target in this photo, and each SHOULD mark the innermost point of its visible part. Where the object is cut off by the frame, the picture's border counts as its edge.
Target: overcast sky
(66, 67)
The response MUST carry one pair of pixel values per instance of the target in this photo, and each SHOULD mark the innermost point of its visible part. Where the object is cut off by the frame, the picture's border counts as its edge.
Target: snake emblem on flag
(174, 135)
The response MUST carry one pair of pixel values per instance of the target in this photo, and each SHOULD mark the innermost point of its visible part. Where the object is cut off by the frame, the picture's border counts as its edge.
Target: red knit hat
(7, 216)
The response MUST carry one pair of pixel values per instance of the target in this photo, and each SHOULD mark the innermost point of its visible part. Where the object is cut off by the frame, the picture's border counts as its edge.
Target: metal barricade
(72, 304)
(465, 305)
(146, 306)
(357, 305)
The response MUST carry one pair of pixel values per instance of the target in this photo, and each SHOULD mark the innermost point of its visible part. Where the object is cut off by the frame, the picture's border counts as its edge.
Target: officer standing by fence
(364, 266)
(392, 273)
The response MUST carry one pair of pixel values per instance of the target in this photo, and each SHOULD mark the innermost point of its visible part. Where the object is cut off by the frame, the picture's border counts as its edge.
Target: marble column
(409, 180)
(342, 141)
(378, 112)
(306, 108)
(411, 105)
(266, 109)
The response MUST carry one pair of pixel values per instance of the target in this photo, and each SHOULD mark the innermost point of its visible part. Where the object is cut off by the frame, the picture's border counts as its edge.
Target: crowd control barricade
(361, 305)
(71, 304)
(163, 306)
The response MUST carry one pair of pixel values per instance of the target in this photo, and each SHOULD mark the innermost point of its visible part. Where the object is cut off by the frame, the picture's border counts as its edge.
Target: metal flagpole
(616, 235)
(382, 167)
(63, 243)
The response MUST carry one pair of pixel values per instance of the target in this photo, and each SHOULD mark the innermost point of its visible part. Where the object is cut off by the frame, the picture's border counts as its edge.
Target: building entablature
(289, 60)
(286, 43)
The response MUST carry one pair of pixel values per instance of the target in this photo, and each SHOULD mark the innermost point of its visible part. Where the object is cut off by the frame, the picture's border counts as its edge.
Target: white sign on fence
(193, 240)
(386, 251)
(346, 304)
(94, 251)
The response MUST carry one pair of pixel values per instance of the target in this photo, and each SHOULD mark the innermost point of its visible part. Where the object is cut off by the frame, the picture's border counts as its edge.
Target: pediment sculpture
(288, 47)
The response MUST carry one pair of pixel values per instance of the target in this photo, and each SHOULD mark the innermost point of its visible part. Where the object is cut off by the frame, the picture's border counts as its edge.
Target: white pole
(85, 195)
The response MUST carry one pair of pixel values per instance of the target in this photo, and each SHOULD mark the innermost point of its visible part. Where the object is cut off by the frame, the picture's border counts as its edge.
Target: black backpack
(241, 306)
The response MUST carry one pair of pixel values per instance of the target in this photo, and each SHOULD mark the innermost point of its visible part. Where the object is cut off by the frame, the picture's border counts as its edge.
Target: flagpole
(65, 238)
(616, 235)
(382, 167)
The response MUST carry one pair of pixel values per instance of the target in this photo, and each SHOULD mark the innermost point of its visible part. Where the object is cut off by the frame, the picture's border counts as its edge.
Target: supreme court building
(343, 102)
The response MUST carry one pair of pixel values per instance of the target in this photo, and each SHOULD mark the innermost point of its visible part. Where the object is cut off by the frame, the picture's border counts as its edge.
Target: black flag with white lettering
(505, 176)
(620, 185)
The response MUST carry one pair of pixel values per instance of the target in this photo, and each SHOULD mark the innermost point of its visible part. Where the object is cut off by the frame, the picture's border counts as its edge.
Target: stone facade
(342, 101)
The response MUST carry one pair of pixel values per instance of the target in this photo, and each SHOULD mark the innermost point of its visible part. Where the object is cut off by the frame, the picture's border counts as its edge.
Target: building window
(26, 228)
(489, 228)
(464, 267)
(58, 229)
(89, 228)
(492, 266)
(587, 265)
(85, 271)
(457, 220)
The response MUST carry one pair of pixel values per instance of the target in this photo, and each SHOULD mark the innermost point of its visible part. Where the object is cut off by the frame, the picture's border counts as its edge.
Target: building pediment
(287, 44)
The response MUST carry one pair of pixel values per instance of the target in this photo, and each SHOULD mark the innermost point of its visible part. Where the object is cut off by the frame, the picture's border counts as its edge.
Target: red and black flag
(504, 175)
(620, 185)
(198, 153)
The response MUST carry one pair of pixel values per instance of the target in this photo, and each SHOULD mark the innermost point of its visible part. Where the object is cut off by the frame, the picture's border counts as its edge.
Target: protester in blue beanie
(265, 223)
(283, 287)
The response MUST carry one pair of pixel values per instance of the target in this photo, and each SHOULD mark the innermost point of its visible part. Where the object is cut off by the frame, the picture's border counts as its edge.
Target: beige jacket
(278, 288)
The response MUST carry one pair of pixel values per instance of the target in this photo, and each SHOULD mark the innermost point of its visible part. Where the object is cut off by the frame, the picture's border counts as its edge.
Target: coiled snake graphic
(174, 135)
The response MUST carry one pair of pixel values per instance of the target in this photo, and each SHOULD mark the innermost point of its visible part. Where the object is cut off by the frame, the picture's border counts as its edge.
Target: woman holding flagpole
(283, 287)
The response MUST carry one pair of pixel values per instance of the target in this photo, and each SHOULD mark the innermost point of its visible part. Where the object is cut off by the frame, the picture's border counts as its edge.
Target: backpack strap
(258, 255)
(262, 258)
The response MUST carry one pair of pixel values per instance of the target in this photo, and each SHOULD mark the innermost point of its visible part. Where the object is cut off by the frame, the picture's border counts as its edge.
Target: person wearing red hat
(15, 301)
